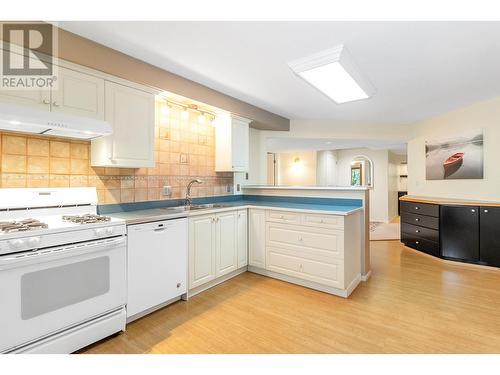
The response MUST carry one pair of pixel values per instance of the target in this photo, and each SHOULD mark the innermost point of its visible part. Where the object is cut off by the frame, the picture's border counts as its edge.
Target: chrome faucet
(189, 200)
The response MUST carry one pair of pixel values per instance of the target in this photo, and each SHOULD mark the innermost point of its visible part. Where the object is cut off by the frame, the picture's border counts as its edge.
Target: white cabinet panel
(157, 264)
(34, 98)
(256, 238)
(242, 238)
(131, 113)
(231, 144)
(226, 238)
(202, 253)
(79, 94)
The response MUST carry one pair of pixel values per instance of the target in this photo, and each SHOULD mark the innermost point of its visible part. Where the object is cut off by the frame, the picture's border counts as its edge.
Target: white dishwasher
(157, 265)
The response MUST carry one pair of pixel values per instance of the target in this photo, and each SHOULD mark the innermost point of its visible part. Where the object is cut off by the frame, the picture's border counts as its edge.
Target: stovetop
(21, 225)
(86, 219)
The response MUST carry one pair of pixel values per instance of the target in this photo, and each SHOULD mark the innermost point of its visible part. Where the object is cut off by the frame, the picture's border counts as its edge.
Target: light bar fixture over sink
(334, 73)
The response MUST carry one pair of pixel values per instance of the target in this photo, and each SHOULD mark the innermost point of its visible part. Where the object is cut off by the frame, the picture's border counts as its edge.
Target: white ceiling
(420, 69)
(291, 144)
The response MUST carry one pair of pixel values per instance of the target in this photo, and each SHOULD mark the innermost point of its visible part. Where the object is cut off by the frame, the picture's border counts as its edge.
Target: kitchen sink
(193, 207)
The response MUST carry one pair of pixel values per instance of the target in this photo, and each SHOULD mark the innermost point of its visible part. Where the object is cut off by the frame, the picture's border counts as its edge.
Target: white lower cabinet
(256, 238)
(201, 250)
(242, 238)
(321, 251)
(217, 246)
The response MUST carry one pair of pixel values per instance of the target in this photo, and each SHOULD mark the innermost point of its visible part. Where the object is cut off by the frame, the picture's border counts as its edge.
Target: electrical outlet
(228, 188)
(238, 187)
(166, 190)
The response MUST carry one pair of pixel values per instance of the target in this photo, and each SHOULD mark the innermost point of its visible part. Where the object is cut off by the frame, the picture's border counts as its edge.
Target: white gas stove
(62, 270)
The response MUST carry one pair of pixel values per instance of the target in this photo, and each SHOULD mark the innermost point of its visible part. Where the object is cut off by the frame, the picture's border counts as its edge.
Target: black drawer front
(429, 247)
(420, 220)
(421, 232)
(420, 208)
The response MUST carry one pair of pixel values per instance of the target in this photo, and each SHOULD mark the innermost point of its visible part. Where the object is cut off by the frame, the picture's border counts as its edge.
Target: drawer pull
(300, 238)
(417, 231)
(417, 219)
(473, 210)
(417, 242)
(282, 217)
(416, 207)
(322, 221)
(485, 211)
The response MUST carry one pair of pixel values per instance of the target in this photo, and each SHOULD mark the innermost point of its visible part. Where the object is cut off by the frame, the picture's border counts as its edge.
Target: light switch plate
(166, 190)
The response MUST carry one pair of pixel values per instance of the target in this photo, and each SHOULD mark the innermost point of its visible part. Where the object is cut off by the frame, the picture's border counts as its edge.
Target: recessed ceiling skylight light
(334, 73)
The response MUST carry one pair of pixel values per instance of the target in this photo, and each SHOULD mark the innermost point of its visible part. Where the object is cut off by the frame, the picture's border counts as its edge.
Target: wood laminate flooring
(413, 303)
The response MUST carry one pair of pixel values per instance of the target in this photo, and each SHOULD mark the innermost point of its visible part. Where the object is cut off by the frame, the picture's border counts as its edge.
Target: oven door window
(54, 288)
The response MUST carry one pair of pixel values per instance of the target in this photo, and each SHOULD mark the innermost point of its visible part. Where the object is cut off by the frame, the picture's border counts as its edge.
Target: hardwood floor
(413, 303)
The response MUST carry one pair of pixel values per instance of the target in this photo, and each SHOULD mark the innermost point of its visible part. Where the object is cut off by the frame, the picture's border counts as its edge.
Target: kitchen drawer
(331, 274)
(330, 240)
(420, 208)
(421, 232)
(283, 217)
(316, 255)
(323, 221)
(429, 247)
(420, 220)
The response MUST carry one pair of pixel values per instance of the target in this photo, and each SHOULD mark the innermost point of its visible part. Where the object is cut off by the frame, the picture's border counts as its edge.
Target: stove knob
(34, 241)
(109, 231)
(16, 244)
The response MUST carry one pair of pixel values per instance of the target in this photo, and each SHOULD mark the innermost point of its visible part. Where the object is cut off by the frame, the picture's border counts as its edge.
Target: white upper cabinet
(131, 113)
(78, 94)
(34, 98)
(231, 143)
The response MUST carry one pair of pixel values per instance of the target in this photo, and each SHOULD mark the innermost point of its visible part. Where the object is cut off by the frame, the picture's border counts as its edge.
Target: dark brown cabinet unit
(489, 236)
(420, 226)
(460, 231)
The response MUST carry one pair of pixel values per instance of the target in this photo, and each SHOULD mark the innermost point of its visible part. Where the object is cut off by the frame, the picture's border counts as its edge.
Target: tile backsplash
(184, 149)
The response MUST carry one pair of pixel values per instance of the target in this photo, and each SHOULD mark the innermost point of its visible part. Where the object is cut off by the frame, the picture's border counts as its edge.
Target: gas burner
(21, 225)
(86, 219)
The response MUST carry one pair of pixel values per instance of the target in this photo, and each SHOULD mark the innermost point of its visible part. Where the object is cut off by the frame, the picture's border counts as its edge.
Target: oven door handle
(61, 252)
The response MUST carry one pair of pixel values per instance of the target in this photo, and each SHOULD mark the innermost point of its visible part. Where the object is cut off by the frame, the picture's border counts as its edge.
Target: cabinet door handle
(300, 238)
(45, 101)
(473, 210)
(56, 104)
(485, 211)
(416, 207)
(417, 219)
(416, 242)
(417, 231)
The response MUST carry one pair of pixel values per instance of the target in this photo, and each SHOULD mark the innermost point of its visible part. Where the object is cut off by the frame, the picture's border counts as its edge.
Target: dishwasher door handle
(160, 229)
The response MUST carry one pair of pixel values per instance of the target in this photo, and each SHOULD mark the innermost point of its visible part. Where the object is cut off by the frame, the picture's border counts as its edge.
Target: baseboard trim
(308, 284)
(366, 276)
(211, 284)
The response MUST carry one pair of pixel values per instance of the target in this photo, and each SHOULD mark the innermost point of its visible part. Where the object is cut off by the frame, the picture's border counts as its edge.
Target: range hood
(36, 121)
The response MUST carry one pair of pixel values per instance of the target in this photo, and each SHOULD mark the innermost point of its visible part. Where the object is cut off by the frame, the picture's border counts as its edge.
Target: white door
(226, 248)
(157, 264)
(256, 238)
(131, 113)
(201, 250)
(242, 238)
(240, 144)
(79, 94)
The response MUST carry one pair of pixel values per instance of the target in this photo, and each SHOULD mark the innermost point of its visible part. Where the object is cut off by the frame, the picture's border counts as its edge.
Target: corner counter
(340, 193)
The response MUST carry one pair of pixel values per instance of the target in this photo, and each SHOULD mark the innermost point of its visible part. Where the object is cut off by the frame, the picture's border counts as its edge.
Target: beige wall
(184, 150)
(79, 50)
(299, 173)
(484, 115)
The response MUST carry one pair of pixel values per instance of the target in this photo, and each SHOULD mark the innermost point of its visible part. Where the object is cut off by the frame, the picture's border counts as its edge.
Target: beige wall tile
(59, 180)
(37, 180)
(38, 147)
(112, 196)
(78, 181)
(59, 165)
(127, 195)
(79, 150)
(141, 195)
(13, 163)
(12, 144)
(38, 164)
(13, 180)
(59, 149)
(79, 166)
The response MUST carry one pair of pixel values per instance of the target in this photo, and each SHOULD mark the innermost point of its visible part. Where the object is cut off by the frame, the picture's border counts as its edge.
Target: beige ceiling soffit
(82, 51)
